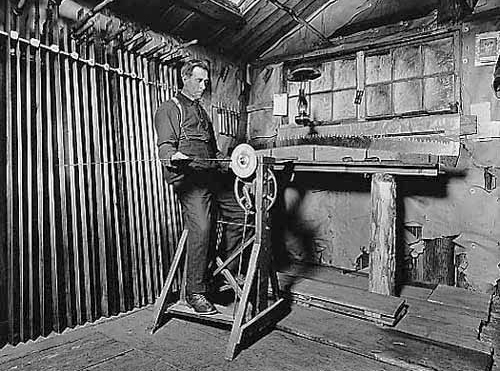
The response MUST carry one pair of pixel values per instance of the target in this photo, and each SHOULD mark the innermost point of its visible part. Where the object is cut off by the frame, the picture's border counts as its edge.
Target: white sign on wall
(487, 48)
(280, 104)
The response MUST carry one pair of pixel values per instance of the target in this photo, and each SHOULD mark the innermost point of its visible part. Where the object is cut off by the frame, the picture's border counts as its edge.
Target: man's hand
(179, 159)
(179, 156)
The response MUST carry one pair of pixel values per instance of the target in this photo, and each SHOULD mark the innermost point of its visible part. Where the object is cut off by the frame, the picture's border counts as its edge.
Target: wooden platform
(183, 310)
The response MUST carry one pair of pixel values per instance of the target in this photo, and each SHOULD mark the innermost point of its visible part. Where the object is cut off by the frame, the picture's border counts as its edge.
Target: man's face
(195, 84)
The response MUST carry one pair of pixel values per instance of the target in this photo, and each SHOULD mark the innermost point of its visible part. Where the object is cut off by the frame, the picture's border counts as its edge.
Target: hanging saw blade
(429, 144)
(439, 146)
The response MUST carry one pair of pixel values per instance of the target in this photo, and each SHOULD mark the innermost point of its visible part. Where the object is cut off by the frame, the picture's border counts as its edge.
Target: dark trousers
(203, 195)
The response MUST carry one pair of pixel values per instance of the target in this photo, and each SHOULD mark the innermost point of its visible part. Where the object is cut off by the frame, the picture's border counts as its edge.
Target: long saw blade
(417, 145)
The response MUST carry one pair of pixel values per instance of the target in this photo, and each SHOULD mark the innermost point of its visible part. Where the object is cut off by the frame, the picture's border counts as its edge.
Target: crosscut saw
(430, 138)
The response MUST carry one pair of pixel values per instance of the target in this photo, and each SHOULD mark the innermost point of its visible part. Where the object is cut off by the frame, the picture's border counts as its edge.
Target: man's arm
(168, 131)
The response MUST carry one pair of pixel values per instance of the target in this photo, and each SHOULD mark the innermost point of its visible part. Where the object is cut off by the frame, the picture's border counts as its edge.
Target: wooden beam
(297, 18)
(365, 40)
(261, 16)
(383, 235)
(472, 3)
(454, 10)
(277, 23)
(218, 10)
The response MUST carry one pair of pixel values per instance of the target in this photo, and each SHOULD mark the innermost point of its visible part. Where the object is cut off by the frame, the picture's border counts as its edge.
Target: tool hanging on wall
(226, 119)
(91, 13)
(139, 43)
(18, 9)
(153, 50)
(165, 57)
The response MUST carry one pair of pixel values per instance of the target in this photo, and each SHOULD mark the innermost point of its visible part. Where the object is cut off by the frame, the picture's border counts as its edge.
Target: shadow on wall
(312, 218)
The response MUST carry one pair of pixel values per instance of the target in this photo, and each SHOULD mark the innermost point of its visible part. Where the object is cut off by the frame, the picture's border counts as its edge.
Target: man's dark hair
(188, 67)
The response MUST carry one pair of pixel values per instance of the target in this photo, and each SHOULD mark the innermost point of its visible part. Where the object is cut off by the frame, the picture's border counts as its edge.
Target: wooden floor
(124, 343)
(439, 332)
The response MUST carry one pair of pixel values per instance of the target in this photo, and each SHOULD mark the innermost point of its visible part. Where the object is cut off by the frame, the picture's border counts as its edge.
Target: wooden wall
(332, 215)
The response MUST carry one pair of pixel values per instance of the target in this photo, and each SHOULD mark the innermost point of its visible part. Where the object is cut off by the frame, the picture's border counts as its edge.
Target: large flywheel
(244, 164)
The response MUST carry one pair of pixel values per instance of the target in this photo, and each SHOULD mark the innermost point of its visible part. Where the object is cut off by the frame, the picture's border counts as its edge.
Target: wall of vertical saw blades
(87, 225)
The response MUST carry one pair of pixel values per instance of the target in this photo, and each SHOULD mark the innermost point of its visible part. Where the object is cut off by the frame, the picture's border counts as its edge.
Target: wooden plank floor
(447, 320)
(125, 343)
(432, 336)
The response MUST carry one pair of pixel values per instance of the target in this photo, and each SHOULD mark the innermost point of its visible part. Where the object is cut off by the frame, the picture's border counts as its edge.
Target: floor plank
(385, 344)
(74, 355)
(460, 298)
(194, 346)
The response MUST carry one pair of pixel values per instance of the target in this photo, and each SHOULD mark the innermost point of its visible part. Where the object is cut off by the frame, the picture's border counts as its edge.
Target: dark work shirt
(195, 137)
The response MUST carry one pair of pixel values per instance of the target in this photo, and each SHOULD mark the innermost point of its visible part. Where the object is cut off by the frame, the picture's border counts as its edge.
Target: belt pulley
(244, 164)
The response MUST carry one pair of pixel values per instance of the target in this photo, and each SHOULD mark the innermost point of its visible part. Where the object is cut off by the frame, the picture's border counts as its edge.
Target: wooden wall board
(384, 344)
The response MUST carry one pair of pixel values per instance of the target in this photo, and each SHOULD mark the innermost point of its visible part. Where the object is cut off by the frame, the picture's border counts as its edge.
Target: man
(185, 138)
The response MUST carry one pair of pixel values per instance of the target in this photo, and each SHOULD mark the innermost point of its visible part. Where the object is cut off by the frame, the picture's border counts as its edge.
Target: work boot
(200, 304)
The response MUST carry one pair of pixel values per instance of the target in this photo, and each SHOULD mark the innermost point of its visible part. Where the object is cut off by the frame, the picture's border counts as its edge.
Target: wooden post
(383, 235)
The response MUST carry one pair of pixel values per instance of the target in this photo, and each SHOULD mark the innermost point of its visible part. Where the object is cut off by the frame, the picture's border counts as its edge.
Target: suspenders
(181, 117)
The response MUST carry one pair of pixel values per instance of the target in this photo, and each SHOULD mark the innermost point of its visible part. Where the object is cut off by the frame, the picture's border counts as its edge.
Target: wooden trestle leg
(255, 310)
(382, 279)
(161, 303)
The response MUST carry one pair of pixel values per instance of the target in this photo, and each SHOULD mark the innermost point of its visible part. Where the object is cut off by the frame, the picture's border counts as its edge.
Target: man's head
(194, 75)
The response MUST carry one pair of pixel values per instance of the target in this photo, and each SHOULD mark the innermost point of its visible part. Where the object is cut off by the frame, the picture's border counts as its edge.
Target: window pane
(324, 82)
(407, 96)
(344, 74)
(407, 62)
(439, 93)
(438, 56)
(378, 100)
(321, 107)
(378, 68)
(343, 104)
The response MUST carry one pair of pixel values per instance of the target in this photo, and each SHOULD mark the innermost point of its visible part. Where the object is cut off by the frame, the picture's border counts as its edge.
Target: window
(409, 79)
